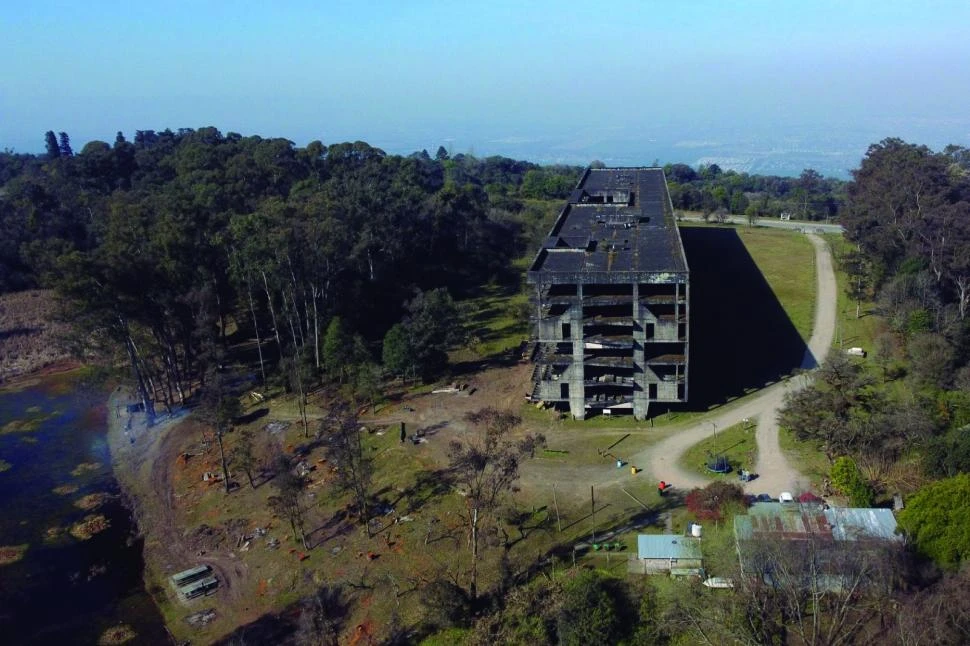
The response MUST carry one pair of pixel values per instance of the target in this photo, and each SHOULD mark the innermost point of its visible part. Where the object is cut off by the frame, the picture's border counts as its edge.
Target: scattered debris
(453, 388)
(276, 427)
(201, 618)
(255, 396)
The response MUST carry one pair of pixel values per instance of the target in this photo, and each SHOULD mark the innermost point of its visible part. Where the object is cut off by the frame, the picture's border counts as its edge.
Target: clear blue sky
(476, 76)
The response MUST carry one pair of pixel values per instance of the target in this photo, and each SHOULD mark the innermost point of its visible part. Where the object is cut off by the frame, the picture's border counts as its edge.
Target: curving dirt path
(775, 474)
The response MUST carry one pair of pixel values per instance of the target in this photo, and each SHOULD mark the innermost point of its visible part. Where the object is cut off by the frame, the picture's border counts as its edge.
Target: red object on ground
(662, 485)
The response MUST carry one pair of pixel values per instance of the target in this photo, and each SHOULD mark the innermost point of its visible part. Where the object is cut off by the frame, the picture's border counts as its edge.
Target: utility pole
(592, 513)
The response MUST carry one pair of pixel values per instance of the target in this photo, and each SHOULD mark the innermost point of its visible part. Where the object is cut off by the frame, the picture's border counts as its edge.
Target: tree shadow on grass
(740, 336)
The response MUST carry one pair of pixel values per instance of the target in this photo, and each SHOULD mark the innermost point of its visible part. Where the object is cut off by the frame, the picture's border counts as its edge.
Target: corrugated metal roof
(668, 546)
(800, 521)
(852, 524)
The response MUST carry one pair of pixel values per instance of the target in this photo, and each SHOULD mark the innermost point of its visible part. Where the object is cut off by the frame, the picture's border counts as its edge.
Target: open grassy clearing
(736, 443)
(787, 260)
(852, 331)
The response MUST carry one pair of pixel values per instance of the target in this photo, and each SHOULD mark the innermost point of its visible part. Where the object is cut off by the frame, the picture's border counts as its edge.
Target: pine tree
(65, 145)
(53, 150)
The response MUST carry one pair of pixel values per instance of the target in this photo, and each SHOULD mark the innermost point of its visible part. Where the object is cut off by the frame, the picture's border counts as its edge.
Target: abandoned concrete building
(611, 297)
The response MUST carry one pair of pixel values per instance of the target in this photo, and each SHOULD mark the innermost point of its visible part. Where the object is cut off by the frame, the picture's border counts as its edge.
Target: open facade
(611, 297)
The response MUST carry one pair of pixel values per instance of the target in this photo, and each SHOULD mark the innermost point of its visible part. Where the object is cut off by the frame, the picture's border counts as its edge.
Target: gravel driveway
(775, 474)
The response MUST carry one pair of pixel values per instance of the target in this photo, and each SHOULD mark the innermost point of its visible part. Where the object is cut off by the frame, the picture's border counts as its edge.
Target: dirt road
(774, 472)
(142, 459)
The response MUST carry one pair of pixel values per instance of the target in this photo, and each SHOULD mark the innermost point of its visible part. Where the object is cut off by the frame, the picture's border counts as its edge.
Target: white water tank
(695, 530)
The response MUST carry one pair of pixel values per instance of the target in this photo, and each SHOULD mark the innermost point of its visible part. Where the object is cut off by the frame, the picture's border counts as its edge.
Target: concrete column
(577, 389)
(641, 401)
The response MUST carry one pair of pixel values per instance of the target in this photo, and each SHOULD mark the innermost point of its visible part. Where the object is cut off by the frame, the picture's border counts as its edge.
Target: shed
(658, 553)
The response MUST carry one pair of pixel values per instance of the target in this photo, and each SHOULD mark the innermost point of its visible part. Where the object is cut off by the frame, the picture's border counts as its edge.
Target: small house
(668, 553)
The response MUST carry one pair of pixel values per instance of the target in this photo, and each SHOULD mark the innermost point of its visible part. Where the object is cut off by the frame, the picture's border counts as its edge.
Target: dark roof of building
(617, 223)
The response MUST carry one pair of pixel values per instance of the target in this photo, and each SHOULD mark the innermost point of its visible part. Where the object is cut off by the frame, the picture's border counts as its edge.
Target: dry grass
(92, 501)
(30, 338)
(11, 553)
(89, 527)
(121, 634)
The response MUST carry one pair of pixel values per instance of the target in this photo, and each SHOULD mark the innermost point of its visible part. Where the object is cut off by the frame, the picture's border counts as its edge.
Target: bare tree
(244, 457)
(219, 408)
(322, 615)
(288, 502)
(486, 470)
(826, 591)
(345, 450)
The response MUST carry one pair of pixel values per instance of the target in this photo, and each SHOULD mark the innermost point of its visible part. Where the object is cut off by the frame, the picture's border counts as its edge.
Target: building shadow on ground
(740, 336)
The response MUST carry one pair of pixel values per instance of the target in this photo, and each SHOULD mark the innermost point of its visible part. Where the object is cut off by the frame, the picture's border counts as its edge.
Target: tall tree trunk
(272, 314)
(316, 327)
(141, 378)
(222, 457)
(289, 319)
(296, 309)
(473, 590)
(259, 343)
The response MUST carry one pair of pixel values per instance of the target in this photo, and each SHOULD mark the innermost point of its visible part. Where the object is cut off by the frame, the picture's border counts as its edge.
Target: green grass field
(852, 331)
(787, 260)
(736, 443)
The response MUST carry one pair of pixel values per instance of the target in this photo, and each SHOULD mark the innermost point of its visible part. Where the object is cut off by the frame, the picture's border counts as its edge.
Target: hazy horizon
(763, 87)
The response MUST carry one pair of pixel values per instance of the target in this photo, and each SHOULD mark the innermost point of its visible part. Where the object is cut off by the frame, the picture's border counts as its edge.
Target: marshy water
(70, 560)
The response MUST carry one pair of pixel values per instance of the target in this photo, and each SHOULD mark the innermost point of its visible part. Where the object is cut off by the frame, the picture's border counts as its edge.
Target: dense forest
(159, 243)
(711, 190)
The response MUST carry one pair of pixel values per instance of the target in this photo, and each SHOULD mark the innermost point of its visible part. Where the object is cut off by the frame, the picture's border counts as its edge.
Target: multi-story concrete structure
(611, 298)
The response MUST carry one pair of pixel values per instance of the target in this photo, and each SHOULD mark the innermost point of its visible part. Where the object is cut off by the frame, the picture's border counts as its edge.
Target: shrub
(847, 478)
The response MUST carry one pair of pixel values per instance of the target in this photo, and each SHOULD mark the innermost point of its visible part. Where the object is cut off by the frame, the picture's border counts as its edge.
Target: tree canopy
(937, 520)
